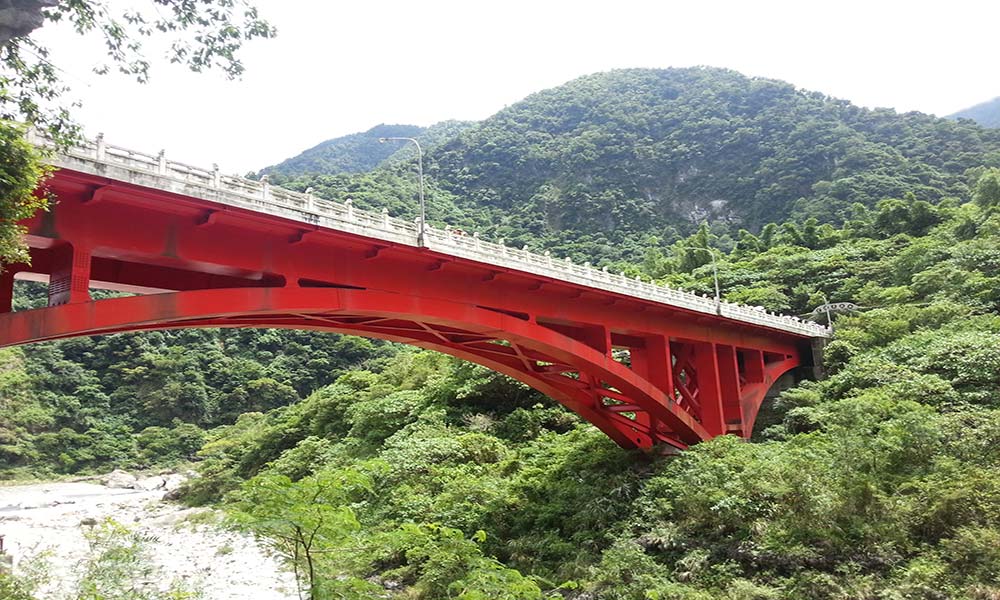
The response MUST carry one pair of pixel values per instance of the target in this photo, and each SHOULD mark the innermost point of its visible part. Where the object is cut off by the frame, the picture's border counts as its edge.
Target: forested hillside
(446, 480)
(593, 167)
(361, 152)
(642, 151)
(353, 153)
(423, 477)
(986, 114)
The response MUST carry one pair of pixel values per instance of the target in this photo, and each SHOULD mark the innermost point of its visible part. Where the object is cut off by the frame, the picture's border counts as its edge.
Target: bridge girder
(645, 374)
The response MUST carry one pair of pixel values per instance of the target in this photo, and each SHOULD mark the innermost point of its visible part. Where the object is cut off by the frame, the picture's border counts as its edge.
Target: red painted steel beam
(262, 306)
(169, 236)
(692, 375)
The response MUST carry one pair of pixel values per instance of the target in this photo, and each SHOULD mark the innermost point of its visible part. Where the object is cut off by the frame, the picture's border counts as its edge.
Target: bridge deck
(645, 364)
(155, 171)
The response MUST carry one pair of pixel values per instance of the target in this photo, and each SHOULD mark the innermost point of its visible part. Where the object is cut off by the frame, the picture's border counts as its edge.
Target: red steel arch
(642, 372)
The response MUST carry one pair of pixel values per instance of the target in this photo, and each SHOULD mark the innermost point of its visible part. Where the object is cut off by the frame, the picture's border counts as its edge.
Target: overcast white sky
(338, 67)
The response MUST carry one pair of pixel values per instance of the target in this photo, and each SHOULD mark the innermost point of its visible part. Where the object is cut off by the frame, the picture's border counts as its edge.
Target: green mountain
(986, 114)
(360, 152)
(353, 153)
(594, 167)
(647, 150)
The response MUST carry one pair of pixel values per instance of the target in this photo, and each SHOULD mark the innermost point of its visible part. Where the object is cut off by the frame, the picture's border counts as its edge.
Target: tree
(987, 192)
(300, 519)
(203, 34)
(20, 172)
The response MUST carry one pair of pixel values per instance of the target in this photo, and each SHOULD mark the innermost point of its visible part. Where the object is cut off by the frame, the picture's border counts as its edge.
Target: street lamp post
(420, 172)
(715, 276)
(832, 308)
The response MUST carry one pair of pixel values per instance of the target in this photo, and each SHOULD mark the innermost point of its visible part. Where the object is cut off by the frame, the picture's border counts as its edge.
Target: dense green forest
(596, 166)
(420, 476)
(986, 114)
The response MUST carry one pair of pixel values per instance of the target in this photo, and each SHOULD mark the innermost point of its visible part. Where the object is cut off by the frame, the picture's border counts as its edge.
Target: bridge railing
(155, 170)
(585, 274)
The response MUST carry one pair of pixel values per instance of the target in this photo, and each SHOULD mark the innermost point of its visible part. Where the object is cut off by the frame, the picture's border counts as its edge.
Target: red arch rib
(563, 368)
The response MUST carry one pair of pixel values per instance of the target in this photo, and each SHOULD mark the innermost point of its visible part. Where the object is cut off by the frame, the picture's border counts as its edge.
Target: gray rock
(119, 479)
(173, 481)
(151, 483)
(172, 495)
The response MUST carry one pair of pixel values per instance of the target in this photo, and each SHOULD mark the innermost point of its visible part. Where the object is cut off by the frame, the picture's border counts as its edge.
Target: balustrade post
(349, 204)
(161, 160)
(216, 176)
(31, 135)
(100, 149)
(310, 201)
(265, 188)
(385, 217)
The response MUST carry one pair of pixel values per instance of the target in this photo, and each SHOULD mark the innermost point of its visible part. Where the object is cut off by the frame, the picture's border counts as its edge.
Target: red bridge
(644, 363)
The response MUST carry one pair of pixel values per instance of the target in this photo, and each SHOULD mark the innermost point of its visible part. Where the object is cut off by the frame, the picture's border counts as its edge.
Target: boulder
(150, 483)
(119, 479)
(173, 481)
(172, 496)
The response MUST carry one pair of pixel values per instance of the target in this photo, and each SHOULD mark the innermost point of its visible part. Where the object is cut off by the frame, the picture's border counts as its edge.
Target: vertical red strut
(7, 289)
(69, 281)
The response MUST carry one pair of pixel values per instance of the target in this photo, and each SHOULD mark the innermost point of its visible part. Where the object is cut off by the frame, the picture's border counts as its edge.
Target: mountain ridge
(361, 152)
(986, 114)
(610, 159)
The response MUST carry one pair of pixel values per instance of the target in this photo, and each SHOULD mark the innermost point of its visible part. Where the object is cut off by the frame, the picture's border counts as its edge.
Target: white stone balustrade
(156, 171)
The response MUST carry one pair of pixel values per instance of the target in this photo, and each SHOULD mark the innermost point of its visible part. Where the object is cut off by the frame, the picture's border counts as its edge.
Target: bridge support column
(754, 387)
(653, 363)
(7, 290)
(69, 281)
(729, 382)
(753, 365)
(706, 367)
(597, 337)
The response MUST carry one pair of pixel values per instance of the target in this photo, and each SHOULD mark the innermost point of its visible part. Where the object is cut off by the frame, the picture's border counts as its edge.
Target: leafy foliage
(144, 400)
(20, 173)
(382, 472)
(203, 35)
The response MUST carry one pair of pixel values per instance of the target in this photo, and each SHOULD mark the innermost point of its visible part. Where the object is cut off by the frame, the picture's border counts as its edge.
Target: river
(46, 522)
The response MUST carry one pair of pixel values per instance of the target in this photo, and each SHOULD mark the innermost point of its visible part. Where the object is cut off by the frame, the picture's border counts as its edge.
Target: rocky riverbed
(47, 522)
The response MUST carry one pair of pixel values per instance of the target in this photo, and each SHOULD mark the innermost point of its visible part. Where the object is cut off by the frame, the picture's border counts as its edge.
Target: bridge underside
(645, 374)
